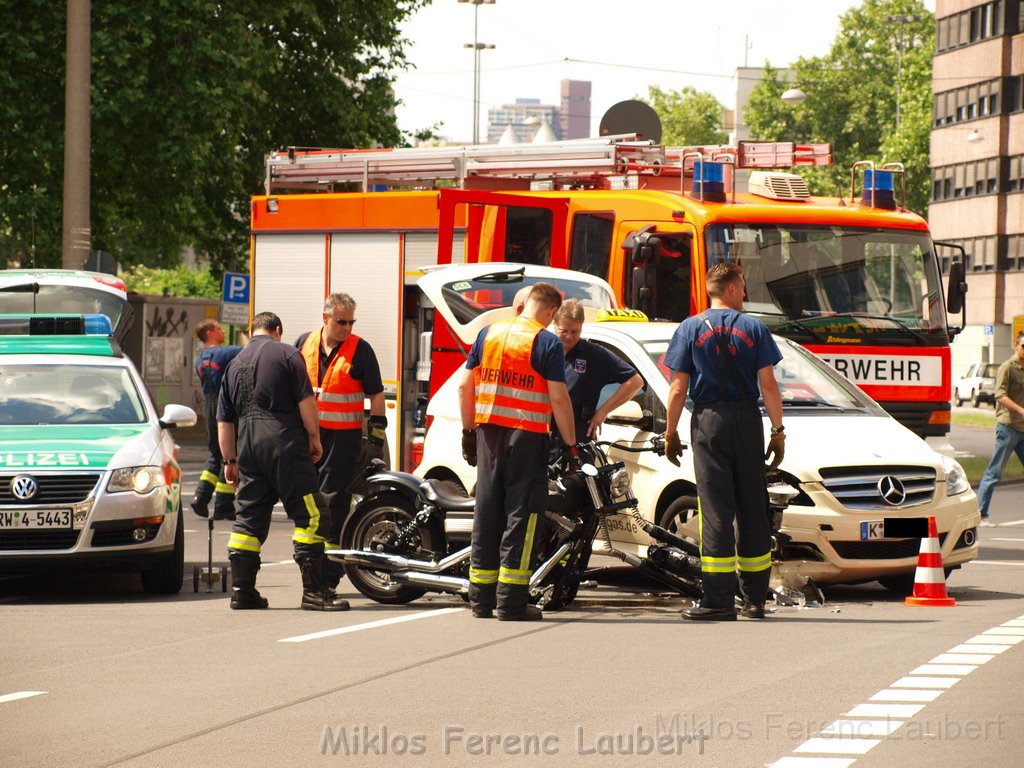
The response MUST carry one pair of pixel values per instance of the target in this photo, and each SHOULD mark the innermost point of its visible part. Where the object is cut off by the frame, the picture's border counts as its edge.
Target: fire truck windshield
(830, 284)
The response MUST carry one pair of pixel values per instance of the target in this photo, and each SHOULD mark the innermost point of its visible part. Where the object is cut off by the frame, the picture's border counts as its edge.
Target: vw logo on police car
(24, 487)
(892, 491)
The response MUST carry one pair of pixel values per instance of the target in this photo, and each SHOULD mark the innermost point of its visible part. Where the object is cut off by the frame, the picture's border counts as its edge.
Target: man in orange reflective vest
(343, 370)
(513, 383)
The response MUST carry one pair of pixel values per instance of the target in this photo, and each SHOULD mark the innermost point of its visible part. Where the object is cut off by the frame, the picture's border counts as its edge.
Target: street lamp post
(902, 19)
(477, 46)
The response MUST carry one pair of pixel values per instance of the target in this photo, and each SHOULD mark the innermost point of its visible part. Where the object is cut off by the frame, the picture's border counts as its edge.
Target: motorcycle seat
(442, 493)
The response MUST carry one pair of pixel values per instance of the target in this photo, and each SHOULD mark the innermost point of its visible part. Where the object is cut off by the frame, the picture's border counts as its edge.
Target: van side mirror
(630, 414)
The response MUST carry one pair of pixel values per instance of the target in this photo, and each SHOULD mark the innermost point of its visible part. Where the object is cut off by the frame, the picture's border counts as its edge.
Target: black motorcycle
(410, 536)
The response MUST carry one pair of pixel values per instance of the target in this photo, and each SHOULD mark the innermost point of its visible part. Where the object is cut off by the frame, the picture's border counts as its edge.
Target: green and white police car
(88, 473)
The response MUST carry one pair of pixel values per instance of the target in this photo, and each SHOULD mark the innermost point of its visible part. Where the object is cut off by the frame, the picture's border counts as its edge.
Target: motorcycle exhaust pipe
(433, 582)
(383, 561)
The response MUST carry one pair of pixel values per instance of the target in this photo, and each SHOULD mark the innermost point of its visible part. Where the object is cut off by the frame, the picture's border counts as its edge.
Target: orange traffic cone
(930, 579)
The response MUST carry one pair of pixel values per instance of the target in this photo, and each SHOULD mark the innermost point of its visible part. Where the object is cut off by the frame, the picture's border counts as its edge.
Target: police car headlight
(138, 479)
(956, 478)
(619, 483)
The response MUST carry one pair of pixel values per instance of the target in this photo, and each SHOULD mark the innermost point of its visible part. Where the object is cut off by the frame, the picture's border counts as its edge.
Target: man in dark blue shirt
(210, 366)
(722, 357)
(589, 368)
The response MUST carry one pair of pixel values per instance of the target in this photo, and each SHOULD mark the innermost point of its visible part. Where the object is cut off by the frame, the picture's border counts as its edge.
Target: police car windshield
(63, 299)
(38, 394)
(805, 381)
(470, 298)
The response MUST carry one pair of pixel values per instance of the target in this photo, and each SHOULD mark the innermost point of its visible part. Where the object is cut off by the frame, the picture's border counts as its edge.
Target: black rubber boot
(316, 595)
(335, 571)
(201, 500)
(530, 613)
(244, 596)
(224, 506)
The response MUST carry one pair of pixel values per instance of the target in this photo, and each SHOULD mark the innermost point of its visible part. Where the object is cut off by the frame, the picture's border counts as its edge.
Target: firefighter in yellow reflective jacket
(513, 383)
(269, 438)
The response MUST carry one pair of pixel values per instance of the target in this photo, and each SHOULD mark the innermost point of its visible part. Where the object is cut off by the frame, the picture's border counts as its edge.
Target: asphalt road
(92, 673)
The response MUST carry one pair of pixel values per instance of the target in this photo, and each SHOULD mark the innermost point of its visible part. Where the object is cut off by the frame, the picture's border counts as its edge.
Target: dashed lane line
(370, 625)
(20, 695)
(867, 725)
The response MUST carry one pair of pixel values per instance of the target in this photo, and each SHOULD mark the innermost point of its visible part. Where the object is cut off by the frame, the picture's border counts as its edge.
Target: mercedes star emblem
(892, 491)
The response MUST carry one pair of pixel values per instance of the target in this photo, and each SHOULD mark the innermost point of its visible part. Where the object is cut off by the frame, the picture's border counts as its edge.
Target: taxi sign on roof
(621, 315)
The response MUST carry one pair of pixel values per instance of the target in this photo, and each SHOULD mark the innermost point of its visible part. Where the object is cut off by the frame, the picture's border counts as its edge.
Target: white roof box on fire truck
(472, 296)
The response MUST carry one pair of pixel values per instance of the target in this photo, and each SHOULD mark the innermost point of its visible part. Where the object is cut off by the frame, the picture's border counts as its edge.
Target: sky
(620, 47)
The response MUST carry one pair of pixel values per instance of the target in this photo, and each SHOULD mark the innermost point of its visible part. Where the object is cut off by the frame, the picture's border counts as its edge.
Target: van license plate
(34, 519)
(872, 529)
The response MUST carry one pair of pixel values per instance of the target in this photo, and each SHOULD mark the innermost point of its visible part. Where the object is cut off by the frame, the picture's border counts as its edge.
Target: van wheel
(679, 512)
(957, 399)
(165, 577)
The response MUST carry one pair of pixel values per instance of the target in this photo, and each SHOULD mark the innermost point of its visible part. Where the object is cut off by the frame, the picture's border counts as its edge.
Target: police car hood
(855, 441)
(77, 446)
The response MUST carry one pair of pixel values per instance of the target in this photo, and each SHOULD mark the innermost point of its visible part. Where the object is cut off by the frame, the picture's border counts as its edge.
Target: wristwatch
(778, 430)
(230, 461)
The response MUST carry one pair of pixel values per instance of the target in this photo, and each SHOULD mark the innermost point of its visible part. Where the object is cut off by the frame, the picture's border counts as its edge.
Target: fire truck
(855, 278)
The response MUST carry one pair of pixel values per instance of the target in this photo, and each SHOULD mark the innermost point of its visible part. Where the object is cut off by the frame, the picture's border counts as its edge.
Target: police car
(857, 470)
(88, 474)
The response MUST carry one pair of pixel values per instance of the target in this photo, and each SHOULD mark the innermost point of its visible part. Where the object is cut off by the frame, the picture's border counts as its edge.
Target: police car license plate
(25, 519)
(872, 529)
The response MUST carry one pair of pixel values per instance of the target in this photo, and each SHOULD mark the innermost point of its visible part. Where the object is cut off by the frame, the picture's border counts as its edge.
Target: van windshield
(805, 381)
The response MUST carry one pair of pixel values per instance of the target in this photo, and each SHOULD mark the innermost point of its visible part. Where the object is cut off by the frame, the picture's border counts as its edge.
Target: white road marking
(918, 681)
(961, 658)
(905, 694)
(832, 746)
(1012, 522)
(994, 639)
(996, 562)
(1013, 623)
(977, 648)
(1004, 630)
(20, 695)
(851, 729)
(369, 625)
(885, 710)
(944, 669)
(813, 762)
(1016, 541)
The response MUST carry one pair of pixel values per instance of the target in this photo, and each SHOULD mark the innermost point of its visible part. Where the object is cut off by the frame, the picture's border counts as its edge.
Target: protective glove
(673, 447)
(469, 446)
(376, 436)
(570, 457)
(776, 446)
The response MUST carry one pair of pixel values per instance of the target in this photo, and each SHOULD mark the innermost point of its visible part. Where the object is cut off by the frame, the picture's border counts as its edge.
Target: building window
(983, 22)
(1015, 174)
(1015, 253)
(978, 177)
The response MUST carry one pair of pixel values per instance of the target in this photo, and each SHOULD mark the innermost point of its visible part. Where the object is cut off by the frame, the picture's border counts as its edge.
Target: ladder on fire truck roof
(303, 169)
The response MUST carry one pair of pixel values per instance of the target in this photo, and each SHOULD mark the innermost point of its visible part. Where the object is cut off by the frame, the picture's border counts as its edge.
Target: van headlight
(138, 479)
(619, 484)
(956, 478)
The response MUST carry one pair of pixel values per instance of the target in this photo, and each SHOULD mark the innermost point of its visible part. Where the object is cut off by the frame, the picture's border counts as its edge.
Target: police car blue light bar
(56, 325)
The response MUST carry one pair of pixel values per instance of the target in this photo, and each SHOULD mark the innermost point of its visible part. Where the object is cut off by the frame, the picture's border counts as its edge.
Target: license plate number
(32, 519)
(872, 529)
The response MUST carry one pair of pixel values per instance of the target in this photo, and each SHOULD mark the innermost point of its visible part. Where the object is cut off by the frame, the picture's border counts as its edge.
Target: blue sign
(990, 330)
(235, 289)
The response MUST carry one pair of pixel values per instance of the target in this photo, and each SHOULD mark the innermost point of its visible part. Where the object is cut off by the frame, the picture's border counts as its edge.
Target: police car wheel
(165, 576)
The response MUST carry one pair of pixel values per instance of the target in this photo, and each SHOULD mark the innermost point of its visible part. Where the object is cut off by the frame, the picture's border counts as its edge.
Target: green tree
(187, 98)
(172, 281)
(688, 117)
(851, 98)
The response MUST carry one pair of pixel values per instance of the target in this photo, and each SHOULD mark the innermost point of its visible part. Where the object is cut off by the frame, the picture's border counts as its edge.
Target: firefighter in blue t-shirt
(723, 357)
(210, 366)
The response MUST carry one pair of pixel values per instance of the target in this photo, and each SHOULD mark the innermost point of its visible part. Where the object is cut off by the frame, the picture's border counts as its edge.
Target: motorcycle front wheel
(375, 520)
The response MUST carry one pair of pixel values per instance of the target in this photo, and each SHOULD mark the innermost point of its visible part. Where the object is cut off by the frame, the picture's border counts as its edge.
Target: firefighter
(514, 381)
(343, 370)
(721, 356)
(270, 439)
(589, 368)
(210, 366)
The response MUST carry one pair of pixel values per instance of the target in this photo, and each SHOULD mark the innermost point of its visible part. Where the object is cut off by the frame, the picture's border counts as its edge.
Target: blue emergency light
(879, 190)
(56, 325)
(709, 181)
